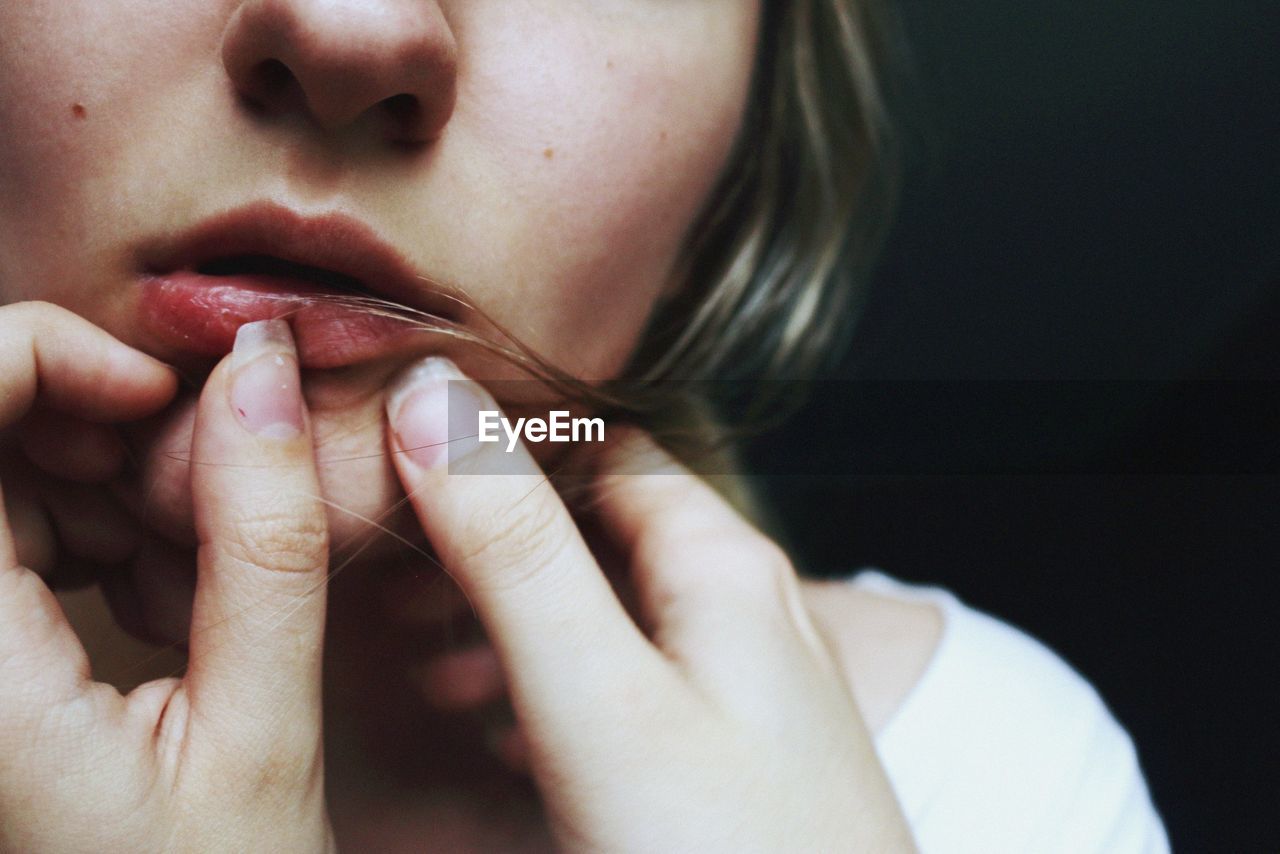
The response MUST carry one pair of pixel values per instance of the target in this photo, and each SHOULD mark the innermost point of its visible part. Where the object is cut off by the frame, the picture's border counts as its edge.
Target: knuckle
(27, 310)
(38, 317)
(278, 541)
(519, 541)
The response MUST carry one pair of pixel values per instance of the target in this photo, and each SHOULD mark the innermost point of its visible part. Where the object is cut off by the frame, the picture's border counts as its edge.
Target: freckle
(663, 136)
(609, 64)
(79, 111)
(548, 153)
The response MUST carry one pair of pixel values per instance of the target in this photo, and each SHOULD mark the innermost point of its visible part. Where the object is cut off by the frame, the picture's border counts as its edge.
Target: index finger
(74, 367)
(506, 537)
(53, 355)
(257, 624)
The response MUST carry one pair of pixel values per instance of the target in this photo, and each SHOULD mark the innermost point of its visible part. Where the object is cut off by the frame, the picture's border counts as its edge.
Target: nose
(390, 62)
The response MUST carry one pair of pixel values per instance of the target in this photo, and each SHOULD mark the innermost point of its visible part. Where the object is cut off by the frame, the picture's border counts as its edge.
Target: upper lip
(340, 251)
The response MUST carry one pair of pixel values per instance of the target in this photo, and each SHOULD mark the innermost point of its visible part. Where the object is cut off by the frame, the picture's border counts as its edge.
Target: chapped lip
(345, 254)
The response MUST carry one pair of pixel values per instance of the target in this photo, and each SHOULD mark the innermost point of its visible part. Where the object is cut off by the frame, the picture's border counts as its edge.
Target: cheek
(43, 158)
(50, 77)
(76, 79)
(586, 139)
(605, 157)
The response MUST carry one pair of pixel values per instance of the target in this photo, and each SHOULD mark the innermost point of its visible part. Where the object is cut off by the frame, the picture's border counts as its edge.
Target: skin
(550, 246)
(564, 152)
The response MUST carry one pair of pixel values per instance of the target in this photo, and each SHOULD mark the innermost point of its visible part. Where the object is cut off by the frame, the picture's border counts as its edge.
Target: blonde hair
(772, 273)
(775, 268)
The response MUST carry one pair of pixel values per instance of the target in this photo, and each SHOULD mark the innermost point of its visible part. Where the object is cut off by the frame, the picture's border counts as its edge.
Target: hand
(727, 727)
(227, 757)
(62, 453)
(152, 596)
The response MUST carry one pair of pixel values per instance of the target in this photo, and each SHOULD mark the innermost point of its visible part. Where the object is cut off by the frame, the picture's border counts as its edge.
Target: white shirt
(1002, 747)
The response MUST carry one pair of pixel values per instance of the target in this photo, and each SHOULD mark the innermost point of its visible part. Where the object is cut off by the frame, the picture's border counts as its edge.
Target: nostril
(393, 63)
(274, 74)
(269, 84)
(404, 108)
(405, 114)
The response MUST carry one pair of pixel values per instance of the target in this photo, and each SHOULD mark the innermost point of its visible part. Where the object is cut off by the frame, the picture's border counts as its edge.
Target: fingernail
(433, 412)
(266, 393)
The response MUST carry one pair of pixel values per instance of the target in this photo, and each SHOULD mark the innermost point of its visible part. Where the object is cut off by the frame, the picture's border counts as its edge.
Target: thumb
(258, 616)
(566, 644)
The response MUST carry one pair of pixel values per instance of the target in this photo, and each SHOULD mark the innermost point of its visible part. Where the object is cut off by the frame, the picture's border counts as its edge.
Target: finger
(463, 679)
(258, 616)
(71, 449)
(157, 490)
(151, 596)
(720, 596)
(64, 531)
(503, 533)
(164, 580)
(42, 662)
(88, 523)
(75, 367)
(121, 593)
(29, 539)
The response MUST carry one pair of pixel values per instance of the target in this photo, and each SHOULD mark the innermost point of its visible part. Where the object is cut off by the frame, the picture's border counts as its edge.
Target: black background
(1092, 193)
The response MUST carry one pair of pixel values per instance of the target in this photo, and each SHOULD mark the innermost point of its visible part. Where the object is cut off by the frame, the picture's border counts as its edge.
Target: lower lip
(195, 315)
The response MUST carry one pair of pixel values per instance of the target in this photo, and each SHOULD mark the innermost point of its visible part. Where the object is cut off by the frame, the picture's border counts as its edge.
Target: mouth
(271, 266)
(349, 296)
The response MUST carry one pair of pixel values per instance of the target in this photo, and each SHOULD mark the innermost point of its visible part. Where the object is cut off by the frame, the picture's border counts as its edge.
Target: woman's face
(542, 158)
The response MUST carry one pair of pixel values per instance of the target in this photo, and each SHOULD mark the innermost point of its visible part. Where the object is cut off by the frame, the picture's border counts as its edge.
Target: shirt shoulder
(1002, 746)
